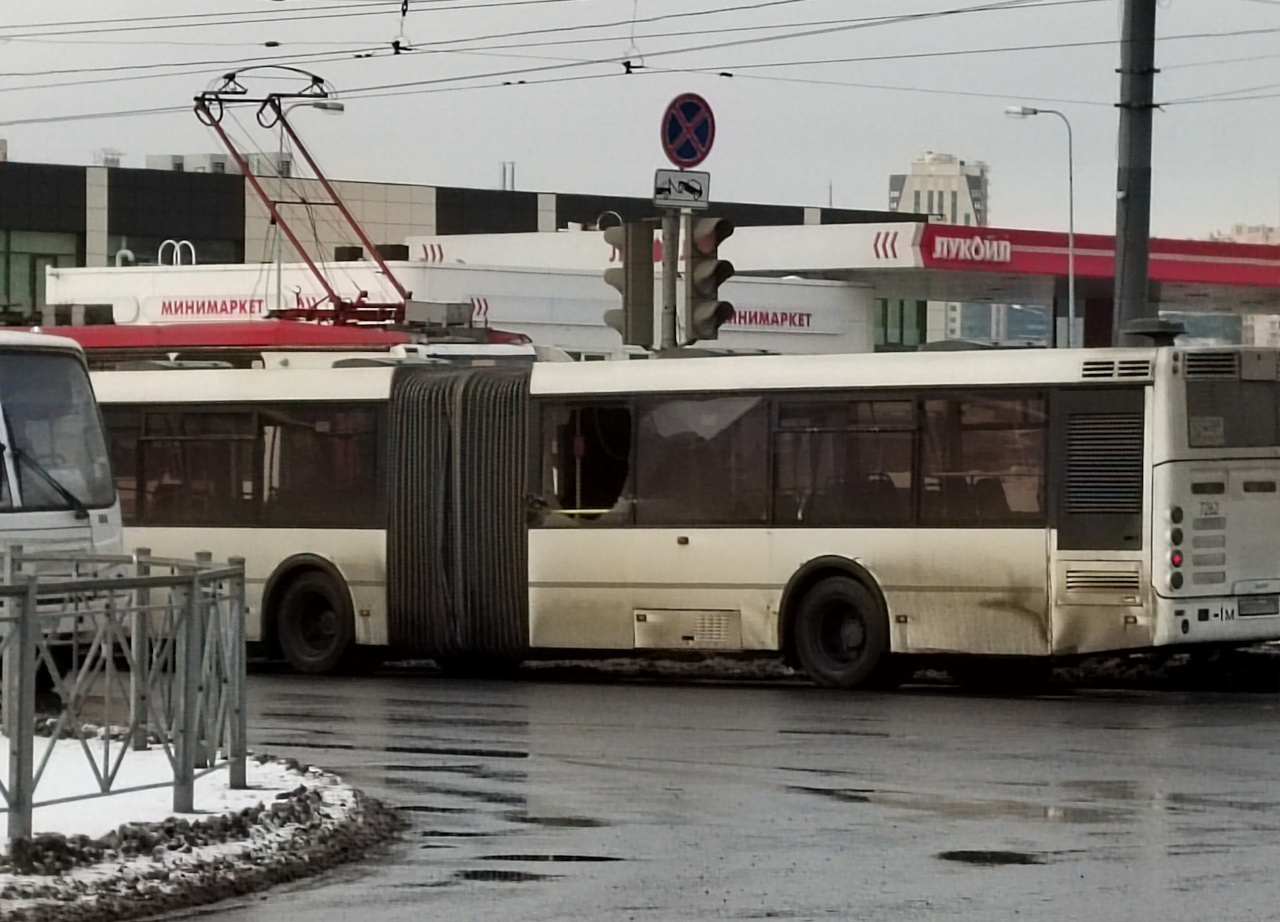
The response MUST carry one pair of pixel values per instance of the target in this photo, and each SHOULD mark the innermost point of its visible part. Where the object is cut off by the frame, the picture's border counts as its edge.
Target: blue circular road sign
(688, 130)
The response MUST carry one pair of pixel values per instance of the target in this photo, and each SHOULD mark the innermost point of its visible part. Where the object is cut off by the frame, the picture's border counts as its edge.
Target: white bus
(846, 510)
(56, 491)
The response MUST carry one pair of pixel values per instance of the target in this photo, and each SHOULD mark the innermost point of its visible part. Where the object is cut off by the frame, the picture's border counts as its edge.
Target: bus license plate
(1252, 606)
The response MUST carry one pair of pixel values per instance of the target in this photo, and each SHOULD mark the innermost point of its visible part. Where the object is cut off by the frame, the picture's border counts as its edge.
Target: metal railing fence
(139, 651)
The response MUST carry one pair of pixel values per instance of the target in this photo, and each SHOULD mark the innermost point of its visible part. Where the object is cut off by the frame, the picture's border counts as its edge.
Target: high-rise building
(951, 190)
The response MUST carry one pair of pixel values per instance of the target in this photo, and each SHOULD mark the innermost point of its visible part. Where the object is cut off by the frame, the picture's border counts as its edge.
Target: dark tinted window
(161, 203)
(197, 469)
(983, 462)
(1232, 414)
(283, 466)
(320, 466)
(586, 465)
(123, 426)
(844, 463)
(703, 462)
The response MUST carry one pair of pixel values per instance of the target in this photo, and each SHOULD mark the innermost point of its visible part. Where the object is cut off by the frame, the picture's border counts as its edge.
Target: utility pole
(1133, 180)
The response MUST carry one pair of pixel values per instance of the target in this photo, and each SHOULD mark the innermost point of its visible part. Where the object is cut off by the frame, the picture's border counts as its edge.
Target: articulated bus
(847, 511)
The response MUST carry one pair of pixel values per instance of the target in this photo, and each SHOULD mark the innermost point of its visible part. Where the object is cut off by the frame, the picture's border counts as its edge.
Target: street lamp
(1027, 112)
(333, 107)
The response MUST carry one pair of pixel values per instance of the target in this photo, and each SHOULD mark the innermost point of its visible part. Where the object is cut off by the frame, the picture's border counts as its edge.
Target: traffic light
(704, 273)
(633, 242)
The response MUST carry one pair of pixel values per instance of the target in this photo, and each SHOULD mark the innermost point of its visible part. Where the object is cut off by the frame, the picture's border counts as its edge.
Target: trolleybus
(844, 510)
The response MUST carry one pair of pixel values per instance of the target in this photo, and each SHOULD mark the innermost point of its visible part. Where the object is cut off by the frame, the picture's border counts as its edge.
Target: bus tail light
(1176, 558)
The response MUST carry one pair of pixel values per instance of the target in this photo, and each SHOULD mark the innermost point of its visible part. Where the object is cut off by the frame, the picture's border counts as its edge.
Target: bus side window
(320, 466)
(197, 468)
(586, 465)
(983, 463)
(703, 462)
(123, 426)
(844, 464)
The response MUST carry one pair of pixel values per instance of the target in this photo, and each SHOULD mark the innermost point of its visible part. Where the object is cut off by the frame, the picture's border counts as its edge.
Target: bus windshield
(55, 454)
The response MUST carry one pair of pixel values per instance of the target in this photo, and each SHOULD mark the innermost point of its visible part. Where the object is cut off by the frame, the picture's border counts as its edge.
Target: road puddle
(991, 859)
(551, 858)
(506, 877)
(558, 822)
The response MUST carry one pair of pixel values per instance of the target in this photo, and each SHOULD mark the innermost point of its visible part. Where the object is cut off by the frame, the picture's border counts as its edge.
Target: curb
(142, 869)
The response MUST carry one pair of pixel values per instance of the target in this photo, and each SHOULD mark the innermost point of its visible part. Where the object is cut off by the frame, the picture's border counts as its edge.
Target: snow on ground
(68, 774)
(126, 856)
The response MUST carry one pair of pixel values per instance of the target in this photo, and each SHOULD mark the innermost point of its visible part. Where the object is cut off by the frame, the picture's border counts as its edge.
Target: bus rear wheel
(841, 635)
(315, 627)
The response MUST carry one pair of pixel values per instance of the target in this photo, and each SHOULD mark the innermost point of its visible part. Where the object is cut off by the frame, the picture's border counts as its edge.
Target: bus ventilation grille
(1093, 369)
(1213, 364)
(1103, 581)
(1104, 463)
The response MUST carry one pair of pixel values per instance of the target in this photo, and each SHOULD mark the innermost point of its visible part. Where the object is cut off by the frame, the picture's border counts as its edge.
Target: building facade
(948, 189)
(954, 191)
(196, 207)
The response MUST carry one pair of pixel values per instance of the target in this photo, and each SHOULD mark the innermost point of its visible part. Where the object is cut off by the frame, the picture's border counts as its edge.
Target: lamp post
(1027, 112)
(331, 106)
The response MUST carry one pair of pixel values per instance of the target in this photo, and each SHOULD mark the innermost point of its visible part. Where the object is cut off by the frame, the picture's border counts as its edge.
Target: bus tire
(841, 634)
(315, 624)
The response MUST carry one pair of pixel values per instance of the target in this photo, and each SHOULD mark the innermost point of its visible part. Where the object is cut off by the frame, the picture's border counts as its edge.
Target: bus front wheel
(841, 635)
(315, 625)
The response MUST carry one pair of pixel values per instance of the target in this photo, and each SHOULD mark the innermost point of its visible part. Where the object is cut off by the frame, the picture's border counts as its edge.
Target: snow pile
(89, 864)
(69, 774)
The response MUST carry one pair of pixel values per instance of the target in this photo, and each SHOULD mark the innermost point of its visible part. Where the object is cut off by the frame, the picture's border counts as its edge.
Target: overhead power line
(543, 75)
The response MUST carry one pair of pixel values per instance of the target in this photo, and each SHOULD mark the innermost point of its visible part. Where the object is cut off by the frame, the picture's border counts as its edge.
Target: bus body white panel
(248, 386)
(712, 571)
(1231, 565)
(1099, 602)
(580, 588)
(105, 531)
(359, 555)
(979, 592)
(946, 591)
(57, 532)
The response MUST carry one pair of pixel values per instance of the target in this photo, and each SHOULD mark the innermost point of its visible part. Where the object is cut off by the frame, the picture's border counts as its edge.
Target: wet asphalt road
(553, 800)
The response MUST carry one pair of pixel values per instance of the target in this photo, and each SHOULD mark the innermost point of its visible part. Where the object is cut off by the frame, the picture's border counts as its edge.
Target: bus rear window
(1232, 414)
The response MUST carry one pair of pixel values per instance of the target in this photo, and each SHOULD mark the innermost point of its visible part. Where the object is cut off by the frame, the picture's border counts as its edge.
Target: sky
(816, 101)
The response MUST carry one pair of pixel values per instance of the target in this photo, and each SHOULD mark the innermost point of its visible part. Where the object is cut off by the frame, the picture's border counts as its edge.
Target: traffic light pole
(670, 276)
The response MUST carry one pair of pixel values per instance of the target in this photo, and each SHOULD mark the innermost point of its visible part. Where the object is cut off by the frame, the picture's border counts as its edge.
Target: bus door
(1097, 560)
(581, 511)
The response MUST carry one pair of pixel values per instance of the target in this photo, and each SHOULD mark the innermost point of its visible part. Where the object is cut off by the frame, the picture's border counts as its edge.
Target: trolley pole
(670, 273)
